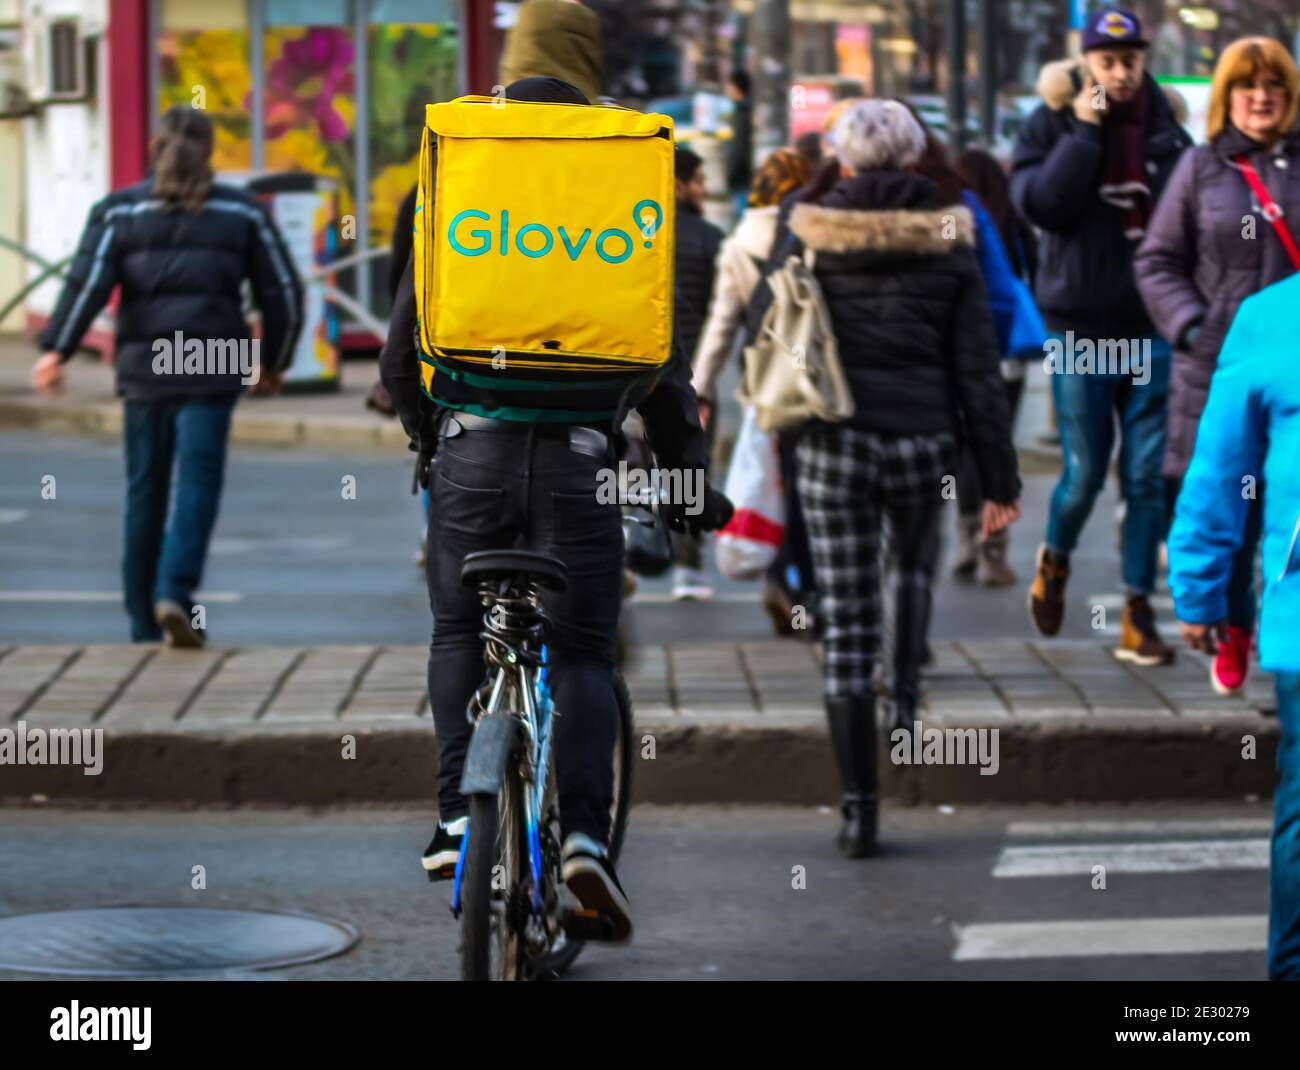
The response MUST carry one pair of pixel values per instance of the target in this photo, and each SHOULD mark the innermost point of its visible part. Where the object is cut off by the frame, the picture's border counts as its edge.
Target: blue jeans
(164, 549)
(1088, 406)
(1284, 865)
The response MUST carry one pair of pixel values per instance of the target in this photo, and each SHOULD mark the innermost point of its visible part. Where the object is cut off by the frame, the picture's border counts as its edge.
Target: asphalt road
(292, 561)
(713, 889)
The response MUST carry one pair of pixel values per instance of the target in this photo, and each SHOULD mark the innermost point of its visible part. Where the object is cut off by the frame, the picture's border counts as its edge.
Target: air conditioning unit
(60, 61)
(13, 75)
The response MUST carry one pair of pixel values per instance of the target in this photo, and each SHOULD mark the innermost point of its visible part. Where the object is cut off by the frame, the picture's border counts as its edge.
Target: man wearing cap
(1088, 167)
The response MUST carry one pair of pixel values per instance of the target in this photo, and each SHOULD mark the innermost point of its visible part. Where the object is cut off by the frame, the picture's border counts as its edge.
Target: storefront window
(342, 86)
(204, 61)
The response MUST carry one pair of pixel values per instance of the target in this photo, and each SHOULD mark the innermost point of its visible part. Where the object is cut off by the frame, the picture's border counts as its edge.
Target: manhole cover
(120, 941)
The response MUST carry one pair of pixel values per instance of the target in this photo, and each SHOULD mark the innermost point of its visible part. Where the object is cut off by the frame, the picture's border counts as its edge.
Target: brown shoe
(993, 570)
(1047, 593)
(1139, 642)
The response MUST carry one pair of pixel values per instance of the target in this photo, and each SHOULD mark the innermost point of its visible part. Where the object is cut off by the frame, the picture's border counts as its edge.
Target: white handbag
(792, 371)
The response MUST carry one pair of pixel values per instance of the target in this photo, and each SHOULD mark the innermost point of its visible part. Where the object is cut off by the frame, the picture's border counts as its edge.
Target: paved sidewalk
(88, 405)
(724, 722)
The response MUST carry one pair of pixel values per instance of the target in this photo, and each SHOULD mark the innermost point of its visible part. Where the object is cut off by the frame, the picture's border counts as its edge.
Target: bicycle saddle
(541, 569)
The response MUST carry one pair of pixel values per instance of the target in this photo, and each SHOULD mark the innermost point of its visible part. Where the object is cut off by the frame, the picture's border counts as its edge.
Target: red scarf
(1124, 178)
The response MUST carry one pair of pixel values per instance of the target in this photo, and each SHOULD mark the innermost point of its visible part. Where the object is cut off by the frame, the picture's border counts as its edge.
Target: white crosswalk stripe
(1173, 856)
(1120, 936)
(1215, 827)
(1123, 848)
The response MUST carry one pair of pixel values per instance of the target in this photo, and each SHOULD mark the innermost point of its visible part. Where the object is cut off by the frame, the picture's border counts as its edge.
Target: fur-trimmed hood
(920, 232)
(1056, 86)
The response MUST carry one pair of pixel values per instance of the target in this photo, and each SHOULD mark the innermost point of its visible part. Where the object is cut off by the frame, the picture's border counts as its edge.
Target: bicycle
(508, 894)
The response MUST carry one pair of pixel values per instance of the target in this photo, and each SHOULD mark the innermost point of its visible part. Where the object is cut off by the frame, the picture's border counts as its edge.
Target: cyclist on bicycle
(496, 483)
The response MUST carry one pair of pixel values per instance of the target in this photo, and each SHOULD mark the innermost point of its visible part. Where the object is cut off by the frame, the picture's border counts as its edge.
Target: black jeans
(493, 490)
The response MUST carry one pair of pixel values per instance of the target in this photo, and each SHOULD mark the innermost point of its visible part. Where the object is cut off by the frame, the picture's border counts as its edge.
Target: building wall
(65, 158)
(12, 272)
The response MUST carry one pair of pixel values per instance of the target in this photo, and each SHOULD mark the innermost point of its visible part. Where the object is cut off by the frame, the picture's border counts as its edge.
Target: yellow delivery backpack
(543, 257)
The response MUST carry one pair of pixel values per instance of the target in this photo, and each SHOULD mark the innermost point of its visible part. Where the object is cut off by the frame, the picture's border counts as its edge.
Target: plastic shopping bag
(749, 542)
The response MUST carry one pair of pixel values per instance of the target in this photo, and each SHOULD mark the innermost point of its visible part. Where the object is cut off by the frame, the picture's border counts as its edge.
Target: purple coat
(1197, 263)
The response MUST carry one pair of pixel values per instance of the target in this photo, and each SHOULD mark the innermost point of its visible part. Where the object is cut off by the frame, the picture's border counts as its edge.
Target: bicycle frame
(520, 689)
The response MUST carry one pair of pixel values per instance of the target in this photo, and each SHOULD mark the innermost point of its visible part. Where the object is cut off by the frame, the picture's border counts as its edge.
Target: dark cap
(1113, 27)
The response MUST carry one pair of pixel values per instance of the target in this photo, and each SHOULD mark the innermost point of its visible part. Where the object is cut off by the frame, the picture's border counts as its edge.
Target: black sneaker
(602, 911)
(443, 850)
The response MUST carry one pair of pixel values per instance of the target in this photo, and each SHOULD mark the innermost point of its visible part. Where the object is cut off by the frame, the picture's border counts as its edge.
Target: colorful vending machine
(305, 209)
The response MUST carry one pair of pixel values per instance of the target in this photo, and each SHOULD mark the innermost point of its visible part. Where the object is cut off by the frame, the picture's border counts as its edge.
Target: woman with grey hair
(917, 342)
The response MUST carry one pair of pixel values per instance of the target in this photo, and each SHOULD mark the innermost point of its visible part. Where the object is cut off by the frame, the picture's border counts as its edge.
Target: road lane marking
(1180, 856)
(202, 597)
(1129, 936)
(666, 597)
(1207, 827)
(12, 516)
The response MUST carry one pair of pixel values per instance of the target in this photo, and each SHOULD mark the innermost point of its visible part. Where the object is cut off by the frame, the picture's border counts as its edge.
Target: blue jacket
(1015, 318)
(1251, 427)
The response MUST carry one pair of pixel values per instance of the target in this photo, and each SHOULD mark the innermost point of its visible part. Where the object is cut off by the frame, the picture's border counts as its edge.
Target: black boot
(911, 630)
(853, 739)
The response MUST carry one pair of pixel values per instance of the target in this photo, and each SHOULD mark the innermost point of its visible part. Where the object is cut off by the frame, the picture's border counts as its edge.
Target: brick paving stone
(319, 683)
(241, 685)
(88, 683)
(162, 687)
(24, 671)
(995, 656)
(394, 685)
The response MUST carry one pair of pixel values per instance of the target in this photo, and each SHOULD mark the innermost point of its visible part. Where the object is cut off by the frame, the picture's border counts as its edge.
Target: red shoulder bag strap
(1271, 210)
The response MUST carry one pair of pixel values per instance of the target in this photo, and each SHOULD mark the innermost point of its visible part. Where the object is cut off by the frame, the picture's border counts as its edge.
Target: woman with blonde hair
(1226, 227)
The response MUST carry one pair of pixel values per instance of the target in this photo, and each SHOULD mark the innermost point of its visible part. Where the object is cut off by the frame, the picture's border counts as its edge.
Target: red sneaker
(1232, 663)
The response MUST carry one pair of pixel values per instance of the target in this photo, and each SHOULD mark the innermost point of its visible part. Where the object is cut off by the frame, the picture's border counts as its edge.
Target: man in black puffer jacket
(180, 248)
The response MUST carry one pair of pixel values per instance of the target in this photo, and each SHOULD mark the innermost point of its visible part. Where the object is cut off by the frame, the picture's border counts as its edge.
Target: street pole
(956, 41)
(988, 83)
(771, 29)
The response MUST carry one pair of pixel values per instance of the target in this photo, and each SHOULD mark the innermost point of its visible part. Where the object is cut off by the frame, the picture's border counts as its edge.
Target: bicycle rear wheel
(493, 894)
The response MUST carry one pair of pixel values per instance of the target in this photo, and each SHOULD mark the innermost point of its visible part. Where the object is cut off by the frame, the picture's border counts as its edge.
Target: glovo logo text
(475, 233)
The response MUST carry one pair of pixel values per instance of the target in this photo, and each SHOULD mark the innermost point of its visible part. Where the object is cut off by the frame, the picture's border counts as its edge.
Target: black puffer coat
(910, 316)
(697, 245)
(179, 272)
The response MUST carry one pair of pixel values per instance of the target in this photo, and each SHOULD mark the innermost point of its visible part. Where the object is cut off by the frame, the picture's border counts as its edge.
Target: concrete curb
(693, 763)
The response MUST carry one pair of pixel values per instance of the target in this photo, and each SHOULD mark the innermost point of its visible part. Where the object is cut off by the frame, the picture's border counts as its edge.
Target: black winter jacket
(696, 254)
(179, 273)
(910, 316)
(1085, 277)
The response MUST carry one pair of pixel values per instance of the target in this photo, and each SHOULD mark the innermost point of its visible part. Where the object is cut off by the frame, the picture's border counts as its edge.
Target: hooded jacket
(559, 39)
(1085, 277)
(1250, 427)
(1196, 265)
(180, 273)
(911, 316)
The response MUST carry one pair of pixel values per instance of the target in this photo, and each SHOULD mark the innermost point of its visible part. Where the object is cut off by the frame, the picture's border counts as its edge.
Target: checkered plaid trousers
(851, 484)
